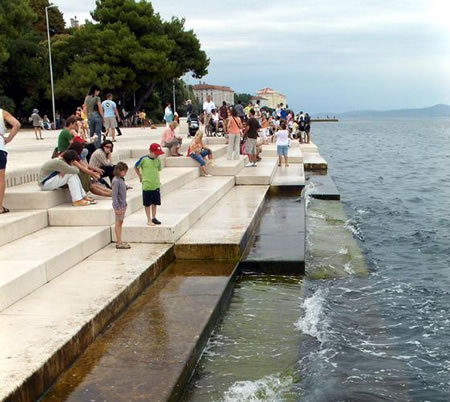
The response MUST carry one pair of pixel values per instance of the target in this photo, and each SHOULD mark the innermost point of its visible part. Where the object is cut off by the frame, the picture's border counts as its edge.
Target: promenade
(62, 281)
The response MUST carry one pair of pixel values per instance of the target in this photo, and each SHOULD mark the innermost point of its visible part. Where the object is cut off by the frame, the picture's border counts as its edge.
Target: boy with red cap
(147, 169)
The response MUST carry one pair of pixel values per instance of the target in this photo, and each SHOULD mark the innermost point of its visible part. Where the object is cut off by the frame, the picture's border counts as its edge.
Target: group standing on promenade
(83, 162)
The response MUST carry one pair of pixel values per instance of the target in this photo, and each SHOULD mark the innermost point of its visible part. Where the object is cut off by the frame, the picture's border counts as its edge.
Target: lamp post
(50, 62)
(173, 92)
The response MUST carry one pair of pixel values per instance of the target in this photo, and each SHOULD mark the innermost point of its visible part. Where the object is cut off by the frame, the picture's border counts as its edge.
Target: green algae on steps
(332, 251)
(150, 351)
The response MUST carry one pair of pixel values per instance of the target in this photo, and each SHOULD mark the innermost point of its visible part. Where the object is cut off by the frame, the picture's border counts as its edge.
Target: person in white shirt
(5, 139)
(208, 107)
(283, 138)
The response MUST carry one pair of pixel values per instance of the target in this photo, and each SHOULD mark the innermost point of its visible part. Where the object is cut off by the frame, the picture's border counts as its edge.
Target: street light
(50, 61)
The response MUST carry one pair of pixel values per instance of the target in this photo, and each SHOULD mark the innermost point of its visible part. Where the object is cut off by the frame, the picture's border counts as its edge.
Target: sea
(378, 334)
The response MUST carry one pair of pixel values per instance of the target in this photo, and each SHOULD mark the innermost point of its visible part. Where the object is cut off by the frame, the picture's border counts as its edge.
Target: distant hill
(432, 111)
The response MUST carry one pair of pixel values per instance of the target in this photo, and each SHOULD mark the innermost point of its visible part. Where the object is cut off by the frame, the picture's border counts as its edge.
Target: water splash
(313, 322)
(269, 388)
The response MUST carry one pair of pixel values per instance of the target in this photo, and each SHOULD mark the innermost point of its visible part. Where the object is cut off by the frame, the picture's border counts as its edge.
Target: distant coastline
(440, 110)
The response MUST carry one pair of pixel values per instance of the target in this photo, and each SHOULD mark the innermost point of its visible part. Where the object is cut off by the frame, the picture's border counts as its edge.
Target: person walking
(208, 107)
(111, 115)
(168, 114)
(223, 115)
(189, 108)
(307, 128)
(283, 144)
(94, 110)
(234, 130)
(37, 124)
(5, 139)
(240, 111)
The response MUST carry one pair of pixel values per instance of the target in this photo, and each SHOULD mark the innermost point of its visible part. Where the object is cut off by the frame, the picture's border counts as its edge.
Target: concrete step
(15, 225)
(43, 333)
(310, 148)
(186, 161)
(150, 352)
(29, 196)
(215, 140)
(178, 212)
(292, 175)
(223, 232)
(224, 167)
(102, 213)
(313, 162)
(295, 154)
(36, 259)
(263, 173)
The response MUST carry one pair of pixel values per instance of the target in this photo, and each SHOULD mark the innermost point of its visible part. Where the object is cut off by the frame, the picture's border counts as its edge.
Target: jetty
(63, 282)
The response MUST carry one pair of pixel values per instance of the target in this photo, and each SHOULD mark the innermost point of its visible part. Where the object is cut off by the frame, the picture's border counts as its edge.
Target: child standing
(119, 201)
(147, 169)
(36, 120)
(283, 137)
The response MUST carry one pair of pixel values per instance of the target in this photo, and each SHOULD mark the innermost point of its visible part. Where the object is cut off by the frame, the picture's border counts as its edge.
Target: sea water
(375, 324)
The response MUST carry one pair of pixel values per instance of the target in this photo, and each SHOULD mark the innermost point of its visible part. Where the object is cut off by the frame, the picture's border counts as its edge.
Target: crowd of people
(82, 160)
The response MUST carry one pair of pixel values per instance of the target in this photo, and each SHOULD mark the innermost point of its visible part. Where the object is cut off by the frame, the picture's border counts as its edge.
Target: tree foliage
(128, 49)
(244, 98)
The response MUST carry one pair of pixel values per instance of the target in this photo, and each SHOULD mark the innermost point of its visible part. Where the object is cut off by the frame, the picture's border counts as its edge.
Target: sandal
(4, 210)
(123, 246)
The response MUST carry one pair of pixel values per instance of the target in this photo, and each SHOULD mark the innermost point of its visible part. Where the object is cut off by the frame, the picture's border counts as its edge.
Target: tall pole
(173, 90)
(50, 62)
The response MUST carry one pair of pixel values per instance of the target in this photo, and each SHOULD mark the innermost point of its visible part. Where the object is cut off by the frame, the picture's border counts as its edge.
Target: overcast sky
(325, 56)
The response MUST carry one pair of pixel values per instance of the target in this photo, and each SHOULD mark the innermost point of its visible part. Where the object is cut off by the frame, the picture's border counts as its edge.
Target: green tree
(244, 98)
(130, 50)
(55, 18)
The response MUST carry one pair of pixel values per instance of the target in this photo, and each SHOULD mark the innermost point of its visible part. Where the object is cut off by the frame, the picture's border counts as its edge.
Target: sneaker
(208, 175)
(156, 221)
(254, 164)
(80, 203)
(250, 164)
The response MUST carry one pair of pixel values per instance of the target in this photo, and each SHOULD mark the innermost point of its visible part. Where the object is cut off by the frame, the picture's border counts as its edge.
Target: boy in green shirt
(147, 169)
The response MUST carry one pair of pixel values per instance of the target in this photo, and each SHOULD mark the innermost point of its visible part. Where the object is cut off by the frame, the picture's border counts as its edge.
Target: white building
(273, 97)
(218, 93)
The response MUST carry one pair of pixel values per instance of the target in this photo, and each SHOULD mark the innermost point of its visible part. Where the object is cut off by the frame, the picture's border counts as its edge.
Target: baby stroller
(193, 124)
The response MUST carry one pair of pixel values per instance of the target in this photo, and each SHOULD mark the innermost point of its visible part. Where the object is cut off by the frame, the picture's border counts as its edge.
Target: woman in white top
(283, 137)
(5, 116)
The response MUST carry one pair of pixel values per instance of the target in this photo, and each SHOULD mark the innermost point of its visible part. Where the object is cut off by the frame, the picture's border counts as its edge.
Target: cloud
(311, 49)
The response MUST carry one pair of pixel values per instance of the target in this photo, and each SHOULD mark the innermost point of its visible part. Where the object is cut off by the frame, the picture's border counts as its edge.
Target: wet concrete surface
(149, 353)
(279, 241)
(322, 187)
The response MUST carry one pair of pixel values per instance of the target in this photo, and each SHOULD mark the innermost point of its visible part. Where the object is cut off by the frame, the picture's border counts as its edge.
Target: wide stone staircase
(62, 281)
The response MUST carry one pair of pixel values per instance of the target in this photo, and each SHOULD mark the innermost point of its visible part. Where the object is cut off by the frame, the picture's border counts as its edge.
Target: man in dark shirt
(223, 114)
(240, 110)
(251, 135)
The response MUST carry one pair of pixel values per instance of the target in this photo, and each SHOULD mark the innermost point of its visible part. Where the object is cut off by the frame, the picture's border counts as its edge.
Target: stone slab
(262, 174)
(102, 213)
(289, 176)
(224, 231)
(17, 224)
(28, 263)
(178, 212)
(294, 154)
(44, 333)
(150, 352)
(322, 187)
(224, 167)
(279, 242)
(186, 161)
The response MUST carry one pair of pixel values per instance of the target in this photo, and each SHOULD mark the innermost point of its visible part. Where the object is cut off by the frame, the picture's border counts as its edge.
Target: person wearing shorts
(111, 115)
(283, 144)
(5, 139)
(147, 168)
(119, 201)
(252, 137)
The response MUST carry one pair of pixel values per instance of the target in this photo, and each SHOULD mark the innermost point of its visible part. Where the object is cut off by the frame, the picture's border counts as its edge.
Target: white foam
(313, 321)
(269, 388)
(307, 193)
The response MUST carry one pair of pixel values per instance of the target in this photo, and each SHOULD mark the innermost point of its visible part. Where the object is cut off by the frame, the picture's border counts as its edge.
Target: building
(218, 93)
(263, 102)
(273, 97)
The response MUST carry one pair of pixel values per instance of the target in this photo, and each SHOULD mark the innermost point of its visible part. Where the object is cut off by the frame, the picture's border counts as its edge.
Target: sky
(325, 56)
